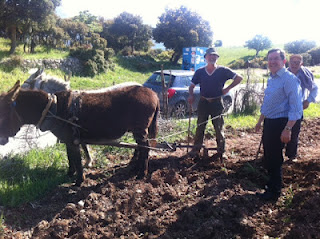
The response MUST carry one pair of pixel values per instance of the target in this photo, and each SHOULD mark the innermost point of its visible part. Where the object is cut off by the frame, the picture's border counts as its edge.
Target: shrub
(238, 64)
(259, 62)
(307, 59)
(108, 53)
(12, 62)
(126, 51)
(315, 54)
(90, 68)
(165, 56)
(94, 61)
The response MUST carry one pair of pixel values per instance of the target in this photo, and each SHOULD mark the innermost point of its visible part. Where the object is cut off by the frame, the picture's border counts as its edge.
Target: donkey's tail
(153, 128)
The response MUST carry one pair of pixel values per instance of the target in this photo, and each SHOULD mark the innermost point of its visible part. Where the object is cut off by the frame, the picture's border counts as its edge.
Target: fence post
(164, 94)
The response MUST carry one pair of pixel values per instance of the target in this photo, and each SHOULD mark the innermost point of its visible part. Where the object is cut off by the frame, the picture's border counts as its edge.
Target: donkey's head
(10, 122)
(31, 81)
(39, 80)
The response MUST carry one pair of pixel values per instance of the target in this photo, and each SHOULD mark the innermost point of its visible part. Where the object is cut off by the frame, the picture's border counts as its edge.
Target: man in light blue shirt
(280, 110)
(308, 86)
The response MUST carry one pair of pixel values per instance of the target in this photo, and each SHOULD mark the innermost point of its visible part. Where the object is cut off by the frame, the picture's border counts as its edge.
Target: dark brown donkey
(76, 117)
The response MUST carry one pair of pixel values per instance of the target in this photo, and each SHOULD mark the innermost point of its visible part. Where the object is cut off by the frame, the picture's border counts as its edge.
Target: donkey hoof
(140, 175)
(70, 174)
(79, 182)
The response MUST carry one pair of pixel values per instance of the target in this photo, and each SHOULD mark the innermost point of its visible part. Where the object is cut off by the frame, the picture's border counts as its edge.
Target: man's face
(275, 63)
(295, 64)
(211, 59)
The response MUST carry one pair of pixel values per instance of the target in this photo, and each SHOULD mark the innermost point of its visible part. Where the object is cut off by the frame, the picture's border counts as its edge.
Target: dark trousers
(213, 109)
(292, 146)
(273, 151)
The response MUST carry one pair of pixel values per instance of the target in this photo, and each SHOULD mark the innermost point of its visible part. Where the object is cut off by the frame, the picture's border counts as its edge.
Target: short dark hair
(281, 52)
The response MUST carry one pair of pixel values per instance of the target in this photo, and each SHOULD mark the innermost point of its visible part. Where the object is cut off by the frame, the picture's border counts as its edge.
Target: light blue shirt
(283, 96)
(307, 83)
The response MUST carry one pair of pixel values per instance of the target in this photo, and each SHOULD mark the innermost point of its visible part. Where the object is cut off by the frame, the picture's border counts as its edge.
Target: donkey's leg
(74, 157)
(135, 155)
(142, 152)
(88, 163)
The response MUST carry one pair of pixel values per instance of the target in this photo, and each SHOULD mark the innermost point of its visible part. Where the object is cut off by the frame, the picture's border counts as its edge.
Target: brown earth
(183, 198)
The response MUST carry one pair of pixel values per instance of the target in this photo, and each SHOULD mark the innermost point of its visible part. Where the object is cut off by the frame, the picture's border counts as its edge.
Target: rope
(180, 132)
(67, 121)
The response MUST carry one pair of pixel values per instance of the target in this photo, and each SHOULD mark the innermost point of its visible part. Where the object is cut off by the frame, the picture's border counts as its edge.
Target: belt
(211, 99)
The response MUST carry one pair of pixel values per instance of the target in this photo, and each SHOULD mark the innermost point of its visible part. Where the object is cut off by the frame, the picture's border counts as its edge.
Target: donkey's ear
(14, 91)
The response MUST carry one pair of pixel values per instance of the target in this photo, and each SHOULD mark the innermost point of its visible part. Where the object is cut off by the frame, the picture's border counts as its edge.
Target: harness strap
(51, 99)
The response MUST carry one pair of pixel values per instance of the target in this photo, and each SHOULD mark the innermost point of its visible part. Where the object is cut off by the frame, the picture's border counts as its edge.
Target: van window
(155, 78)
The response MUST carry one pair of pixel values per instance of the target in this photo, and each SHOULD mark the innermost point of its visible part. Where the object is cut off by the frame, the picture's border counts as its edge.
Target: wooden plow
(164, 146)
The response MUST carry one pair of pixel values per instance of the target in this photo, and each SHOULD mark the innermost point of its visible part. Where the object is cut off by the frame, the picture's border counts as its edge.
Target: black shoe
(268, 196)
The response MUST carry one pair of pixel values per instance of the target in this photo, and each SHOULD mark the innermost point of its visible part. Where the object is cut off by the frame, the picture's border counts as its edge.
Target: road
(27, 138)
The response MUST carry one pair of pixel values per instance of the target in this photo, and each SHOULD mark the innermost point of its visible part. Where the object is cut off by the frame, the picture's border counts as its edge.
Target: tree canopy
(298, 47)
(179, 28)
(127, 30)
(258, 43)
(17, 15)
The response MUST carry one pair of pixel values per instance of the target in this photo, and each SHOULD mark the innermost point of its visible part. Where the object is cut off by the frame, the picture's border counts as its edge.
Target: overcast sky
(232, 21)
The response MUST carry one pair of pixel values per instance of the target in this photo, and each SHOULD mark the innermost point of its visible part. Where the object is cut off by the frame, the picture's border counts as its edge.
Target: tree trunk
(33, 46)
(176, 58)
(13, 38)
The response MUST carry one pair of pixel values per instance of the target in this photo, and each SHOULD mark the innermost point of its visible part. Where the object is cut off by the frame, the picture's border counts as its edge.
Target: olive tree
(16, 14)
(179, 28)
(258, 43)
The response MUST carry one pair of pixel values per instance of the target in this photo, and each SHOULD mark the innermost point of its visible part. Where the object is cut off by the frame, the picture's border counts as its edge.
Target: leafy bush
(126, 51)
(315, 54)
(307, 59)
(108, 53)
(259, 62)
(238, 64)
(12, 62)
(94, 61)
(165, 56)
(298, 47)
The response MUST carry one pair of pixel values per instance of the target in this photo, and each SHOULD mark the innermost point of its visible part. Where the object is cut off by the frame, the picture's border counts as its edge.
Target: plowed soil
(184, 197)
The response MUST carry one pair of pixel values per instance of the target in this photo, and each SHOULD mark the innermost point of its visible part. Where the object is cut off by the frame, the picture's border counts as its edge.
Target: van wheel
(180, 110)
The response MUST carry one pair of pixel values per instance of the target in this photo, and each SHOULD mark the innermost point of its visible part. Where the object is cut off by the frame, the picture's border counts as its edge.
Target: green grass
(26, 177)
(40, 51)
(313, 111)
(229, 54)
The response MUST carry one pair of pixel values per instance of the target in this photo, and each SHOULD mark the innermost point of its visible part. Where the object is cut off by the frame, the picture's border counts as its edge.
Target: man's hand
(225, 91)
(191, 99)
(305, 104)
(257, 127)
(285, 136)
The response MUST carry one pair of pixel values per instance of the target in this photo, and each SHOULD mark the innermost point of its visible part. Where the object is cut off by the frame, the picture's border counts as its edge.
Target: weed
(286, 219)
(288, 198)
(225, 170)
